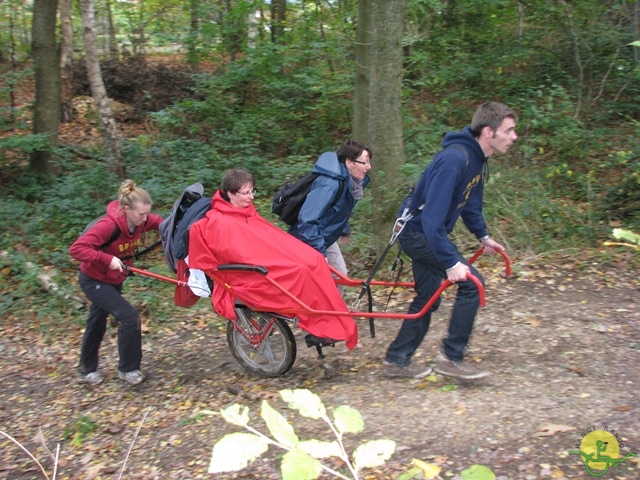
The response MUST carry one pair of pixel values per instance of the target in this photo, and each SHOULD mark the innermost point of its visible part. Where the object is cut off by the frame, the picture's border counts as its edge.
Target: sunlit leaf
(297, 465)
(413, 472)
(236, 414)
(430, 470)
(235, 451)
(348, 420)
(307, 403)
(627, 235)
(478, 472)
(318, 449)
(373, 453)
(281, 430)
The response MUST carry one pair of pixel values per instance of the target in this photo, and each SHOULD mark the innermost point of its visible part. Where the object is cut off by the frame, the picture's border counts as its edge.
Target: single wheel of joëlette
(274, 355)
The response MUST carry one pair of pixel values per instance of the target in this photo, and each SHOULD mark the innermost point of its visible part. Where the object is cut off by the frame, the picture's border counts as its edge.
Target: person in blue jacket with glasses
(323, 222)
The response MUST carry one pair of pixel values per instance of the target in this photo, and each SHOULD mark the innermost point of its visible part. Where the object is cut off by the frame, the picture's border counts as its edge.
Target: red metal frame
(306, 310)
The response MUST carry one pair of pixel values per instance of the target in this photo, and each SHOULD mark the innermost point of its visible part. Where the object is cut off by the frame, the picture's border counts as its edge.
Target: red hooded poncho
(231, 234)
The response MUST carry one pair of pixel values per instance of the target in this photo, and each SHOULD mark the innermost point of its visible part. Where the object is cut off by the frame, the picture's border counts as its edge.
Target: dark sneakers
(409, 371)
(460, 369)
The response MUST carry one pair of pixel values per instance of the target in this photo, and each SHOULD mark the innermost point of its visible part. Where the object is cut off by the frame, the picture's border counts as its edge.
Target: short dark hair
(351, 150)
(235, 179)
(490, 114)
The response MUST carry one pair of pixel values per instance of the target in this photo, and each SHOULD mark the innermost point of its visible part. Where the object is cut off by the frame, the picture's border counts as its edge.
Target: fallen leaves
(550, 429)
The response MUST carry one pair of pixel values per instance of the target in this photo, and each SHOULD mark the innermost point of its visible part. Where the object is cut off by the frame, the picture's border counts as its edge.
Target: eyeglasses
(249, 193)
(362, 163)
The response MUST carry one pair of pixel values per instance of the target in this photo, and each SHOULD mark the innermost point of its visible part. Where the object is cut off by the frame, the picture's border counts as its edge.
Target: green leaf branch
(629, 239)
(301, 461)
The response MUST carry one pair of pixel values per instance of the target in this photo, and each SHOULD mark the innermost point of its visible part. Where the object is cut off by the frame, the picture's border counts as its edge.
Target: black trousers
(107, 299)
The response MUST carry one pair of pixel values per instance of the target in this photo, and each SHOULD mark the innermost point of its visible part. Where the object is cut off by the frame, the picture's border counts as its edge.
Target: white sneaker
(93, 378)
(134, 377)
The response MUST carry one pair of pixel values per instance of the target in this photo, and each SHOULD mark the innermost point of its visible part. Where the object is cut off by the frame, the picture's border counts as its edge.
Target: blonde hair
(129, 195)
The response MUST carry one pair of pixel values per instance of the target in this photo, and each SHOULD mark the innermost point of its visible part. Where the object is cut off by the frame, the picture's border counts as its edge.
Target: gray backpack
(168, 227)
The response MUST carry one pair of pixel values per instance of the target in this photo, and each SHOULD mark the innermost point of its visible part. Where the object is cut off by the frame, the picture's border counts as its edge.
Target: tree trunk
(14, 67)
(378, 115)
(113, 42)
(113, 156)
(46, 113)
(66, 61)
(278, 15)
(360, 125)
(194, 28)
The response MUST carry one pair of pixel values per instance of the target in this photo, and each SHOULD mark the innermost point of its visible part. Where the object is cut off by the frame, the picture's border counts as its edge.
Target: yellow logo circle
(600, 444)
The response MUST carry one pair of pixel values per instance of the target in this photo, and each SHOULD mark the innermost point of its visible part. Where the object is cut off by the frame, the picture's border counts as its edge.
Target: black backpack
(290, 197)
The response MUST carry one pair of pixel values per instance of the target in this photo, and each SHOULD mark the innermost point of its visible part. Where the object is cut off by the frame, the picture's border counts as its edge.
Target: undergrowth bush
(266, 102)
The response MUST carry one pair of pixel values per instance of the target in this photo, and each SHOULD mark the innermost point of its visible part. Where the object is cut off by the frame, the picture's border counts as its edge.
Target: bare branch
(135, 436)
(27, 452)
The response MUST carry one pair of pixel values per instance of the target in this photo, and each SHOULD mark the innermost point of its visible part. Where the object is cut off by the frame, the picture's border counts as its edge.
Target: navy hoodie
(451, 187)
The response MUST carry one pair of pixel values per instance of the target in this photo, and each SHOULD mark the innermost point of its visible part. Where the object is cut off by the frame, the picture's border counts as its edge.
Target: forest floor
(562, 340)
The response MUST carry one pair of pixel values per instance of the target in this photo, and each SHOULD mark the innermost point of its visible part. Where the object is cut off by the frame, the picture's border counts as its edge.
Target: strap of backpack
(458, 147)
(338, 195)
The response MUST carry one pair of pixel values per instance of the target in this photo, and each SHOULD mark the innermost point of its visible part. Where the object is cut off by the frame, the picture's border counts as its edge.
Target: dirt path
(564, 351)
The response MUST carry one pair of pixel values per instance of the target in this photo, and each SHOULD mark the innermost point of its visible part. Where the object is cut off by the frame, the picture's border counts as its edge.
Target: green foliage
(254, 107)
(626, 239)
(80, 430)
(301, 461)
(19, 145)
(570, 70)
(626, 235)
(477, 472)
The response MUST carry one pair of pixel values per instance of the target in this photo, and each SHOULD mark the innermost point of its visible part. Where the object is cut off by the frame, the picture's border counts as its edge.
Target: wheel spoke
(274, 355)
(265, 349)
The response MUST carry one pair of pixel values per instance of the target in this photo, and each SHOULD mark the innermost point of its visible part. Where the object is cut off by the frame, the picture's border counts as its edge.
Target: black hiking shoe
(313, 341)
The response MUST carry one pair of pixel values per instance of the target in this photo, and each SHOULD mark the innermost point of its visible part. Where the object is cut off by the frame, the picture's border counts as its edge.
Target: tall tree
(99, 92)
(46, 113)
(378, 108)
(360, 127)
(66, 61)
(278, 15)
(194, 27)
(113, 42)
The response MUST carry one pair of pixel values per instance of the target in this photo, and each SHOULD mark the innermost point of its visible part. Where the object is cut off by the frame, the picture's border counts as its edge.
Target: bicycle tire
(272, 357)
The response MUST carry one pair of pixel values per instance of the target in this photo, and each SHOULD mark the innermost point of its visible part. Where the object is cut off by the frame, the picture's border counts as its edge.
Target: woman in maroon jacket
(101, 277)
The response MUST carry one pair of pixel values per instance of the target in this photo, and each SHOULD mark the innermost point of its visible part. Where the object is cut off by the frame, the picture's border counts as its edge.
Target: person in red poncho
(101, 278)
(233, 232)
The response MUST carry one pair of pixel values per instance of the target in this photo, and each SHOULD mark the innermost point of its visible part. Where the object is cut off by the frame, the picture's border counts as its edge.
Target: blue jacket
(318, 225)
(451, 187)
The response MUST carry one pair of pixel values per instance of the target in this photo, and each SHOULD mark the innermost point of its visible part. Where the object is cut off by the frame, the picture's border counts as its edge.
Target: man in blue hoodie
(450, 188)
(323, 221)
